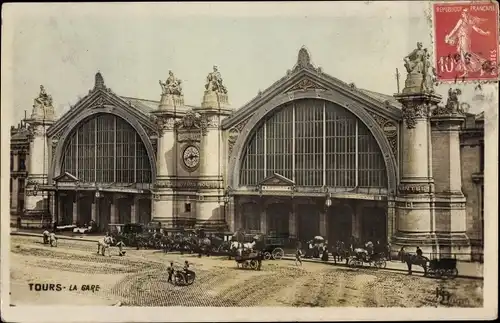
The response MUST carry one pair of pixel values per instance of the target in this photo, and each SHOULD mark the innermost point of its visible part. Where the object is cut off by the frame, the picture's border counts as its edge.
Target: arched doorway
(339, 224)
(374, 226)
(277, 218)
(308, 221)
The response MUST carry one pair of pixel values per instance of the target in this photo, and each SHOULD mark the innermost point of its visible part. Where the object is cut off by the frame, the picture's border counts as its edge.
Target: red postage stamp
(466, 40)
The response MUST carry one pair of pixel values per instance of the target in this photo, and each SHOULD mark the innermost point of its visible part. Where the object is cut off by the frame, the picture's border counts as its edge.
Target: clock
(191, 157)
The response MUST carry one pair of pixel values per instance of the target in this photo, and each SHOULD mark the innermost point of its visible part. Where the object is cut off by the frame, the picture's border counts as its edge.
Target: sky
(62, 46)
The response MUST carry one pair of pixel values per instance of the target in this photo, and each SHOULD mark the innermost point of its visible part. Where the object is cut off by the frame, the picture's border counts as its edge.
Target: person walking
(170, 271)
(298, 257)
(53, 239)
(388, 251)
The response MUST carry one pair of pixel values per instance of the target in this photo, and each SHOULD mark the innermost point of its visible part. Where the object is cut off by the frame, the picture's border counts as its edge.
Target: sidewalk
(470, 270)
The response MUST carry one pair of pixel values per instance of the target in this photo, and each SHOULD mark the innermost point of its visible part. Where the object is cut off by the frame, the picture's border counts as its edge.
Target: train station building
(310, 155)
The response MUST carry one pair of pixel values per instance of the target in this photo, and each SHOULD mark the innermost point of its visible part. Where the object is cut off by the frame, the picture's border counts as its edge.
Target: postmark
(466, 41)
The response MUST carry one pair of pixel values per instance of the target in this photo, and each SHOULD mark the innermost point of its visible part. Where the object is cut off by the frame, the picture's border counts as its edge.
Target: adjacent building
(310, 155)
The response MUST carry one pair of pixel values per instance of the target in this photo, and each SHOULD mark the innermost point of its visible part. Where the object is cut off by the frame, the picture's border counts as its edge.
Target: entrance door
(339, 224)
(374, 224)
(84, 210)
(250, 213)
(277, 219)
(308, 221)
(104, 213)
(144, 214)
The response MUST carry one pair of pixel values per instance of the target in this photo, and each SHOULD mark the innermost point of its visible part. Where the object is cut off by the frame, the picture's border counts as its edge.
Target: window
(22, 162)
(20, 205)
(314, 142)
(187, 207)
(106, 149)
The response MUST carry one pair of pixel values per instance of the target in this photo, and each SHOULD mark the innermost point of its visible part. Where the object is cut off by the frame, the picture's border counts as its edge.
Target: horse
(413, 259)
(340, 252)
(204, 246)
(103, 244)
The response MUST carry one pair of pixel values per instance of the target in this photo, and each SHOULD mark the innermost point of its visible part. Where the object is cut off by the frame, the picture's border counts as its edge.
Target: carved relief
(453, 105)
(414, 188)
(390, 131)
(233, 134)
(163, 124)
(304, 61)
(189, 184)
(304, 85)
(412, 112)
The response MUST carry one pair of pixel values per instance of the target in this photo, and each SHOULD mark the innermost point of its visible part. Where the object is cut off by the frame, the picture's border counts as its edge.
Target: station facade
(311, 155)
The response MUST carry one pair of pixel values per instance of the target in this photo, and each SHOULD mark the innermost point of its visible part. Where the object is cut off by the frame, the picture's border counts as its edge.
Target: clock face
(191, 156)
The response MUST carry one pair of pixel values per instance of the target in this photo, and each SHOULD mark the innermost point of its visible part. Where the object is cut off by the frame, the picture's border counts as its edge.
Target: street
(140, 279)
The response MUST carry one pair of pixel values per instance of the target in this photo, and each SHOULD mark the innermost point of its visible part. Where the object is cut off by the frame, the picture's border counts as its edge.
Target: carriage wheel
(452, 273)
(380, 263)
(351, 262)
(254, 264)
(278, 253)
(267, 255)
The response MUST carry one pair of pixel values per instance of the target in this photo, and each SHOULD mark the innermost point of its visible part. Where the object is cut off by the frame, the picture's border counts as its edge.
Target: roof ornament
(304, 60)
(99, 81)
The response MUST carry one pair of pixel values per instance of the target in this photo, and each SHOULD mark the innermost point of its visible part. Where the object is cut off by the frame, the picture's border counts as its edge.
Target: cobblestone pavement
(139, 279)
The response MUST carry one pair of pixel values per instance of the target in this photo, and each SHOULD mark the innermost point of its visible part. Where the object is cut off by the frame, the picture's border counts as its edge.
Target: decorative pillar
(391, 216)
(323, 225)
(14, 197)
(214, 108)
(450, 213)
(113, 217)
(133, 209)
(75, 208)
(415, 199)
(357, 222)
(292, 222)
(263, 220)
(42, 117)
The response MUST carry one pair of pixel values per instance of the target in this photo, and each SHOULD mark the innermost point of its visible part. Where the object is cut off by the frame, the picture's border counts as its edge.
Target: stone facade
(432, 155)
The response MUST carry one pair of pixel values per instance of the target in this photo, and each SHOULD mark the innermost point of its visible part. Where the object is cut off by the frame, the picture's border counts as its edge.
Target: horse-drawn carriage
(248, 259)
(361, 256)
(273, 247)
(180, 277)
(443, 268)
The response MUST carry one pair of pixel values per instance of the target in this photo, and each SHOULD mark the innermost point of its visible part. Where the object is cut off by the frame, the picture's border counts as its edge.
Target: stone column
(263, 220)
(93, 211)
(292, 222)
(357, 218)
(134, 208)
(14, 195)
(391, 216)
(414, 202)
(323, 224)
(162, 207)
(75, 208)
(229, 209)
(60, 209)
(113, 216)
(450, 213)
(16, 165)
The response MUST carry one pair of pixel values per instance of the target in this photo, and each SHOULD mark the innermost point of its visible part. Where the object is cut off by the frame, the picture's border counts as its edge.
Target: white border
(182, 314)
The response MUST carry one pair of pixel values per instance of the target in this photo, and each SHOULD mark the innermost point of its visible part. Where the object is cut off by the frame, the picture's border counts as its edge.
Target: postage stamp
(466, 40)
(212, 162)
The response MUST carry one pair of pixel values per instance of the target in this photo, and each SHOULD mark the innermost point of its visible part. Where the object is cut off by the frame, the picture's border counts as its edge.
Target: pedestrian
(53, 239)
(298, 256)
(55, 226)
(259, 259)
(419, 252)
(324, 255)
(388, 250)
(120, 246)
(170, 271)
(402, 253)
(46, 235)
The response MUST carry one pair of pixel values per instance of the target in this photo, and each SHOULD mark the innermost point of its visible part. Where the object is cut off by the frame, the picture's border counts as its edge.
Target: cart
(443, 268)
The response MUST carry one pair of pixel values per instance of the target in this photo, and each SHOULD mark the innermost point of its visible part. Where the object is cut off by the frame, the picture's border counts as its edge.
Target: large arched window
(106, 149)
(314, 143)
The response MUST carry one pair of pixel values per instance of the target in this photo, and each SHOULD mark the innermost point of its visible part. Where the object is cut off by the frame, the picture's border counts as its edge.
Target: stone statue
(43, 100)
(414, 62)
(214, 82)
(172, 85)
(452, 106)
(429, 73)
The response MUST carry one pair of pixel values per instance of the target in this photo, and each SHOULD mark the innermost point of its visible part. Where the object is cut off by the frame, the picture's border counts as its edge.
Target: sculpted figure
(43, 99)
(414, 62)
(429, 73)
(172, 85)
(214, 82)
